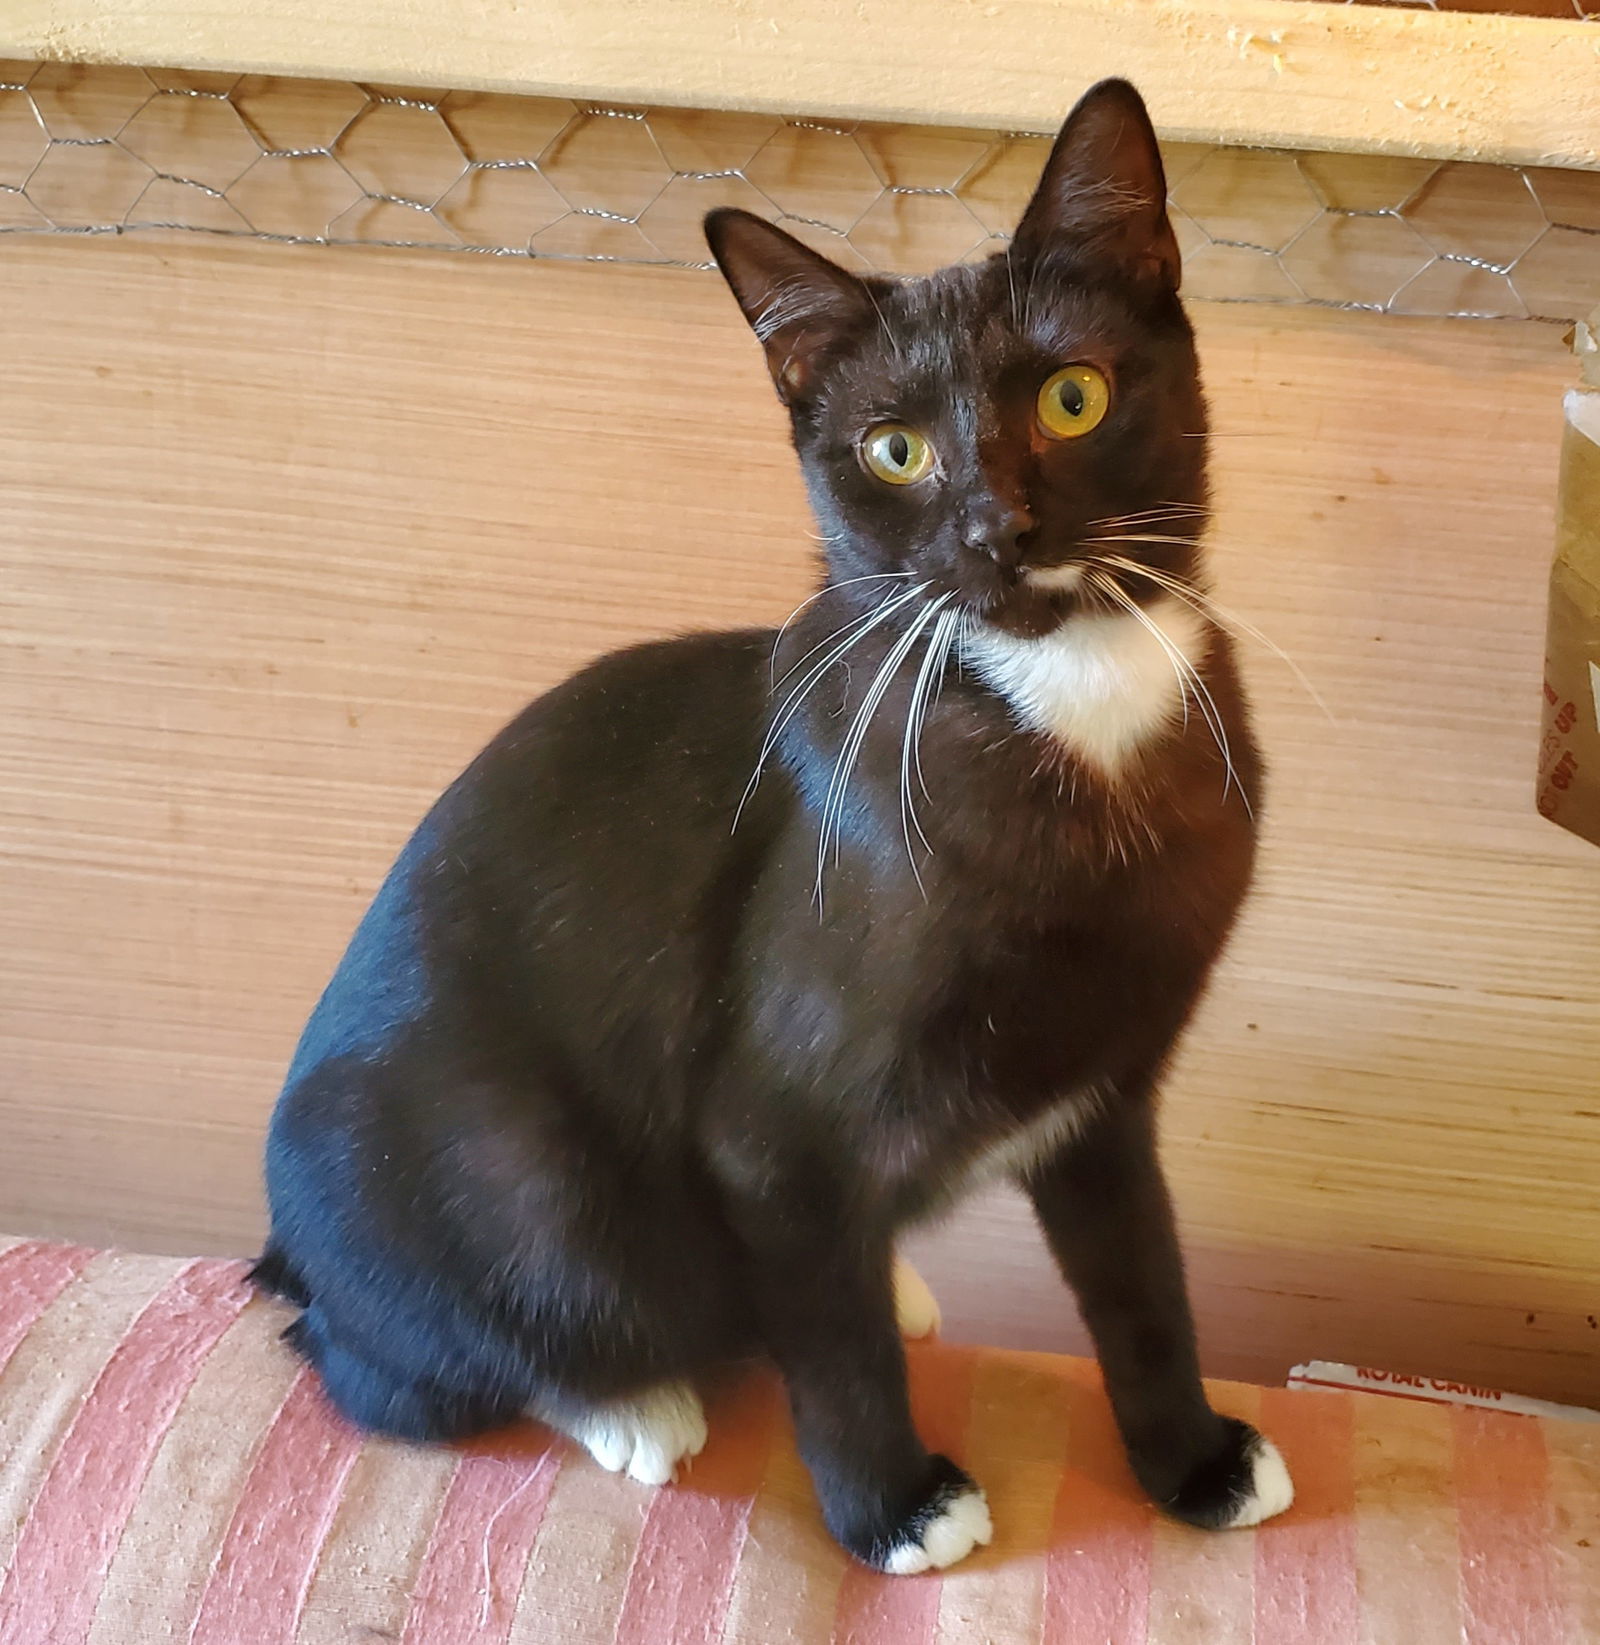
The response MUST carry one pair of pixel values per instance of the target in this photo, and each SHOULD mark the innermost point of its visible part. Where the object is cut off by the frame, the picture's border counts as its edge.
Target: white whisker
(1209, 606)
(1106, 586)
(811, 599)
(855, 737)
(910, 750)
(889, 605)
(1206, 703)
(1143, 537)
(862, 627)
(1155, 514)
(850, 748)
(950, 624)
(1107, 589)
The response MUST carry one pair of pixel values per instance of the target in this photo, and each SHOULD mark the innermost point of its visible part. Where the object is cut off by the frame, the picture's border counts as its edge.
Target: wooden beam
(1290, 73)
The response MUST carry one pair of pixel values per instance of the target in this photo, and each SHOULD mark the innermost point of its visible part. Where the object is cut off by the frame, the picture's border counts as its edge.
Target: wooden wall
(286, 532)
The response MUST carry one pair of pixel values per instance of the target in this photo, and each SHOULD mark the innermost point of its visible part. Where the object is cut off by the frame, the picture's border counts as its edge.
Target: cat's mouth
(1033, 600)
(1029, 613)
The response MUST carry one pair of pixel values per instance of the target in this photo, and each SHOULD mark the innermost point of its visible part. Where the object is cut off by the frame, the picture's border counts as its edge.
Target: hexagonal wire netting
(116, 150)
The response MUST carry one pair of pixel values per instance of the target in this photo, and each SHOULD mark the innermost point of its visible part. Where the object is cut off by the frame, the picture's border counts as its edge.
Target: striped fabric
(169, 1473)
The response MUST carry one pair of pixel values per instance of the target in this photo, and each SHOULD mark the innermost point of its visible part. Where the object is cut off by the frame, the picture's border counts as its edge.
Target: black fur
(603, 1094)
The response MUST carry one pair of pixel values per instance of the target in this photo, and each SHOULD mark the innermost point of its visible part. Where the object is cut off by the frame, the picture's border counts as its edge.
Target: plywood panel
(289, 531)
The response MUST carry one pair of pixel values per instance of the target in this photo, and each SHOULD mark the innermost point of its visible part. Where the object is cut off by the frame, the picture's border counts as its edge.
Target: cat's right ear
(797, 302)
(1104, 190)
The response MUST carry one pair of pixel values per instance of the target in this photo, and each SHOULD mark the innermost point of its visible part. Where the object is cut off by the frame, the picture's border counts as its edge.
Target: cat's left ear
(1104, 190)
(797, 302)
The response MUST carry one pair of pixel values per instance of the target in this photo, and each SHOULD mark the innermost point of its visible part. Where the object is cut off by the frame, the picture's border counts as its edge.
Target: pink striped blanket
(169, 1473)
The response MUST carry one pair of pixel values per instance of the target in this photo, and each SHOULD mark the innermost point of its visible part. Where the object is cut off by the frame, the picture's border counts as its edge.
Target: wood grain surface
(1263, 73)
(287, 532)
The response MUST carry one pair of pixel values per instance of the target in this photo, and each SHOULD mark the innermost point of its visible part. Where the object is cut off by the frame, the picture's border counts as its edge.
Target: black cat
(735, 954)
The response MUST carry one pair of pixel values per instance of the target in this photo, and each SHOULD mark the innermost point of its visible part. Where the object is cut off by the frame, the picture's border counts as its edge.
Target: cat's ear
(1104, 189)
(797, 302)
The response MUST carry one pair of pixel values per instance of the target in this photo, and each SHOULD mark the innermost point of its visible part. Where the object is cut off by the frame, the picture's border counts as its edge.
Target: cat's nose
(998, 533)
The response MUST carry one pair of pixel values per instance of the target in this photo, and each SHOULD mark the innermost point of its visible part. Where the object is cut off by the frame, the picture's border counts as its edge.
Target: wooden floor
(287, 532)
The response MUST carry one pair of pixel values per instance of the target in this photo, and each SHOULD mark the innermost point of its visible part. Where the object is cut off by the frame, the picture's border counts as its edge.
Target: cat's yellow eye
(1073, 401)
(897, 454)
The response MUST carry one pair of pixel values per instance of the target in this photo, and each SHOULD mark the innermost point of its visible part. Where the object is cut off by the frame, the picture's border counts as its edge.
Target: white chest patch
(1103, 684)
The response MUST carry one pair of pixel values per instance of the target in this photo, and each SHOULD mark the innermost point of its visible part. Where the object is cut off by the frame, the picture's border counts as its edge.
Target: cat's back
(601, 811)
(668, 724)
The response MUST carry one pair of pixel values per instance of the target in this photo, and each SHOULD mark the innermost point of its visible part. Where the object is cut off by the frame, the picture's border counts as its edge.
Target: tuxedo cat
(734, 955)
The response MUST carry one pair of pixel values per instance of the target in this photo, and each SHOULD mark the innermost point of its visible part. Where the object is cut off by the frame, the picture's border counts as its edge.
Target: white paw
(959, 1527)
(916, 1310)
(645, 1437)
(1271, 1489)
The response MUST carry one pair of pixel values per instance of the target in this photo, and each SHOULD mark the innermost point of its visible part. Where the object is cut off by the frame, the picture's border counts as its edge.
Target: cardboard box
(1569, 747)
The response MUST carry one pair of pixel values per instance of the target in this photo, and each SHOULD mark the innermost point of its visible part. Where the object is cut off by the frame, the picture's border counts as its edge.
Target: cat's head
(988, 428)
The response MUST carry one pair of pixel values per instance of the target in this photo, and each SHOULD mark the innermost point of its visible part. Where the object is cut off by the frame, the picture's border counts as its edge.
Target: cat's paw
(948, 1522)
(1244, 1484)
(645, 1437)
(949, 1532)
(916, 1309)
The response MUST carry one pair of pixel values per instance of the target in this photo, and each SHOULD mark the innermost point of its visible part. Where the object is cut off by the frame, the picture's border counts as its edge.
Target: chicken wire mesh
(105, 150)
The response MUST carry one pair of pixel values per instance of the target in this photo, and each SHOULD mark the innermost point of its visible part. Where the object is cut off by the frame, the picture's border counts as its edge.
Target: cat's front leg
(825, 1299)
(1103, 1204)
